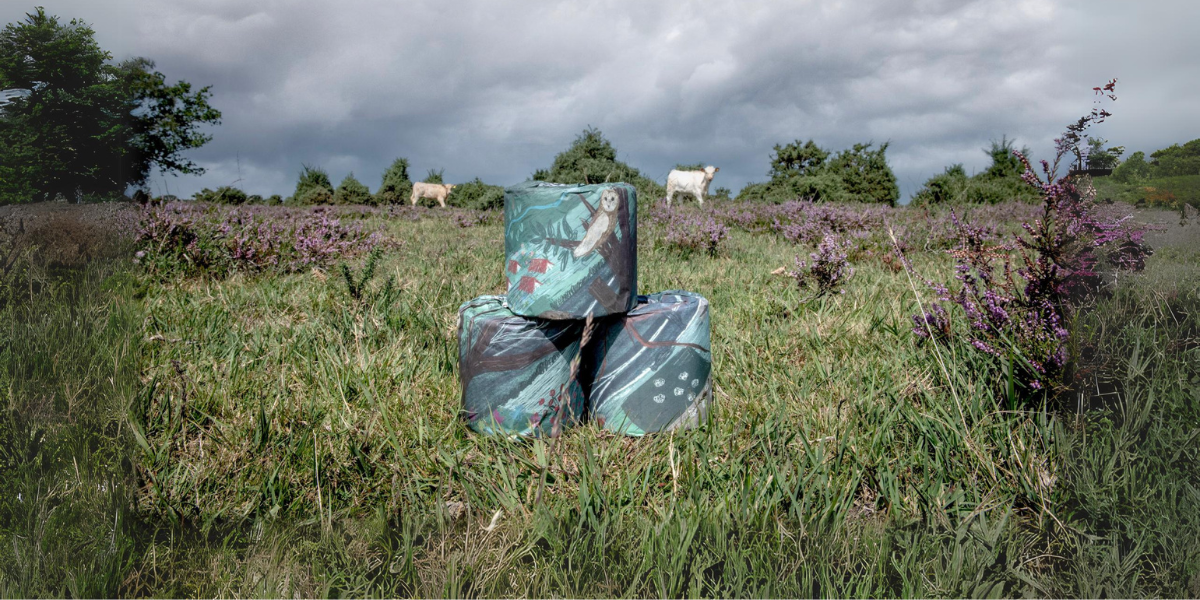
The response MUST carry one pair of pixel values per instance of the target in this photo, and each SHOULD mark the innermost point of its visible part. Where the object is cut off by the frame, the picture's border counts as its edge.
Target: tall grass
(295, 434)
(317, 437)
(68, 377)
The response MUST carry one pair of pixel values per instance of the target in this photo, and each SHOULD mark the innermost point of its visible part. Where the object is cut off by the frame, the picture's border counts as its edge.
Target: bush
(1100, 157)
(1001, 182)
(804, 170)
(476, 195)
(312, 178)
(1005, 164)
(254, 199)
(593, 159)
(274, 200)
(315, 195)
(352, 191)
(943, 189)
(396, 186)
(223, 195)
(1135, 169)
(1177, 160)
(434, 176)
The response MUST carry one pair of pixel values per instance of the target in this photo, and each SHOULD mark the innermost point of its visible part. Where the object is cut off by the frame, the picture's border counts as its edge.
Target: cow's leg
(413, 197)
(442, 201)
(670, 194)
(700, 196)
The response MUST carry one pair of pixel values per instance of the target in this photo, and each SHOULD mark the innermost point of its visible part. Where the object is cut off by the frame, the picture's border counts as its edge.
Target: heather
(292, 428)
(191, 238)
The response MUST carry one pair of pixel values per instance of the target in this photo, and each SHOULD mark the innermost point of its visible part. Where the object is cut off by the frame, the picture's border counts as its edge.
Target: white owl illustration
(603, 223)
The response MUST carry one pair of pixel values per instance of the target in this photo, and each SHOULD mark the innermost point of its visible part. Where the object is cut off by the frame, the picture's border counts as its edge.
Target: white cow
(437, 191)
(695, 182)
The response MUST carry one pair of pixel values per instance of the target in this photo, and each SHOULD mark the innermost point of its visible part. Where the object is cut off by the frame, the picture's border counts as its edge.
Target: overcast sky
(495, 89)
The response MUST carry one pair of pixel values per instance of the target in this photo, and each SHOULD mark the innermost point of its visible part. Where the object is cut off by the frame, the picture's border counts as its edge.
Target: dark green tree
(88, 126)
(1005, 164)
(434, 176)
(396, 185)
(352, 191)
(797, 159)
(1100, 157)
(1134, 169)
(591, 158)
(1176, 160)
(313, 186)
(866, 174)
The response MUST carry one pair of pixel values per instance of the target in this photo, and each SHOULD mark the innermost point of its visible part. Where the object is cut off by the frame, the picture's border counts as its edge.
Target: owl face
(609, 200)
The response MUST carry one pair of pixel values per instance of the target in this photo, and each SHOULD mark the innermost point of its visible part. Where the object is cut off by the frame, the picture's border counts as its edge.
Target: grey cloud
(495, 89)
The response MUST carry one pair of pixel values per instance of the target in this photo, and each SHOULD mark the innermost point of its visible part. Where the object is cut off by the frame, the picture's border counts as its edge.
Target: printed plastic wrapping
(570, 250)
(516, 371)
(650, 369)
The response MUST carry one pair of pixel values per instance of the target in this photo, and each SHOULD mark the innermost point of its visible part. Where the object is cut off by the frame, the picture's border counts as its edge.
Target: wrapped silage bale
(571, 250)
(650, 369)
(516, 371)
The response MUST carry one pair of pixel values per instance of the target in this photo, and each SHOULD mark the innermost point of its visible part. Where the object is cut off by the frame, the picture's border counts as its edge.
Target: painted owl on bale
(604, 221)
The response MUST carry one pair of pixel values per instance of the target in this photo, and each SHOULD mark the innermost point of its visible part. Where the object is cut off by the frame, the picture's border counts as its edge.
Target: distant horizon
(494, 92)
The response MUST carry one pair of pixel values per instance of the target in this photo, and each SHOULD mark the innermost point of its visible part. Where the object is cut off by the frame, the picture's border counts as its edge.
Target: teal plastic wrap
(650, 370)
(516, 371)
(571, 250)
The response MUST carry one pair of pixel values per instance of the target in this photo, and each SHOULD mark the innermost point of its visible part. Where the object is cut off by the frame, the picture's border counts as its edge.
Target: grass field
(267, 434)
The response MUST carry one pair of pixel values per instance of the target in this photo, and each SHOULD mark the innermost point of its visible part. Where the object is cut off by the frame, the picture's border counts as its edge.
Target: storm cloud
(495, 89)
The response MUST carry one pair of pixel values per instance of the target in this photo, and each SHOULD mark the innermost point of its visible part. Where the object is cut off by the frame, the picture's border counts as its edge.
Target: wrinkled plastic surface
(650, 369)
(515, 371)
(571, 250)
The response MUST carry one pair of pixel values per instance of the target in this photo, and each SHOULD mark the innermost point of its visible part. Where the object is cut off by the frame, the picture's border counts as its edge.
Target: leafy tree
(352, 191)
(944, 188)
(1000, 182)
(396, 186)
(313, 186)
(1135, 169)
(591, 158)
(434, 176)
(805, 170)
(223, 195)
(866, 174)
(1177, 160)
(88, 126)
(1100, 157)
(797, 159)
(1005, 164)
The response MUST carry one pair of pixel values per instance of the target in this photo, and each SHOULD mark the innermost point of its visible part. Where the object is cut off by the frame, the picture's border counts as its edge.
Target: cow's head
(450, 187)
(709, 171)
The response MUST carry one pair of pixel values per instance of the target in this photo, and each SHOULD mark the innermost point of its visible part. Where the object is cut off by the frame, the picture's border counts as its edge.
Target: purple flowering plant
(690, 230)
(192, 238)
(1018, 292)
(827, 268)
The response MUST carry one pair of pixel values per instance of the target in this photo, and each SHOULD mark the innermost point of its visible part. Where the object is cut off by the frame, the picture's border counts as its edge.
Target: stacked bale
(571, 255)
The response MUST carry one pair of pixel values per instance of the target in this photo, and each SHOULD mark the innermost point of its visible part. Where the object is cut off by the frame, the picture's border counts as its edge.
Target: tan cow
(437, 191)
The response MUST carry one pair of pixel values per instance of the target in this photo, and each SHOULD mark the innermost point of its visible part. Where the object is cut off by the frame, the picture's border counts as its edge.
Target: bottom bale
(516, 371)
(651, 368)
